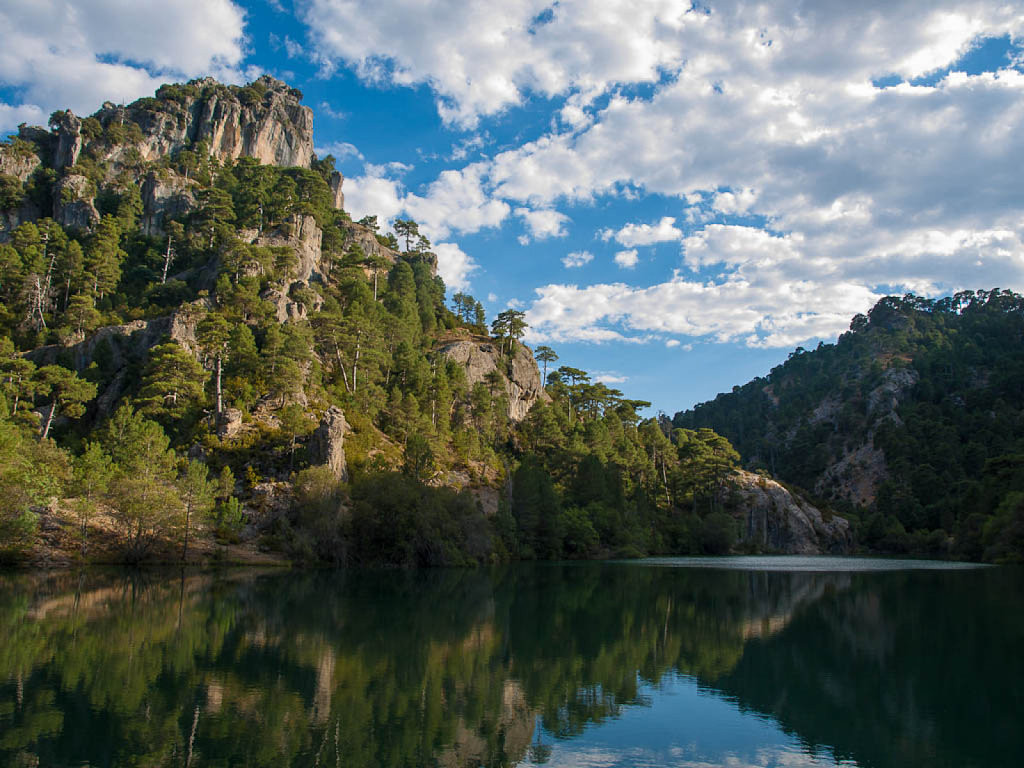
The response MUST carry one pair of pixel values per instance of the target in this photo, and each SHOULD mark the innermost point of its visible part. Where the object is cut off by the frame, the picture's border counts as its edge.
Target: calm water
(728, 662)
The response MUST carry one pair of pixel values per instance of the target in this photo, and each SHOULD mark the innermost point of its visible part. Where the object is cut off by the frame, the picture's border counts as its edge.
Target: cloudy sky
(677, 194)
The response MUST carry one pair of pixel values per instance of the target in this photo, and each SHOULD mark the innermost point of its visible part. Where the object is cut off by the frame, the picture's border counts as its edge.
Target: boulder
(771, 518)
(230, 423)
(327, 443)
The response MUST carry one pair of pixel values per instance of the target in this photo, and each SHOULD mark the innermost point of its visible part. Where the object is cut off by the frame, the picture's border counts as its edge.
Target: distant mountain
(914, 420)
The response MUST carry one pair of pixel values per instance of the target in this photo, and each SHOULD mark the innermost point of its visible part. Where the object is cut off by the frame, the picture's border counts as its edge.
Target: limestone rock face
(327, 443)
(69, 140)
(521, 378)
(357, 234)
(276, 129)
(73, 205)
(11, 220)
(335, 183)
(305, 238)
(772, 518)
(164, 196)
(119, 346)
(20, 166)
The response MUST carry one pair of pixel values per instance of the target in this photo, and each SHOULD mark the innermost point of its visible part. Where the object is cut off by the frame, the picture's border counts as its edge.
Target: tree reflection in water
(458, 668)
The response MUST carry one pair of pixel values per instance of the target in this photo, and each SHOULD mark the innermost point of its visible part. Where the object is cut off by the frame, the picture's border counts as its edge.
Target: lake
(668, 662)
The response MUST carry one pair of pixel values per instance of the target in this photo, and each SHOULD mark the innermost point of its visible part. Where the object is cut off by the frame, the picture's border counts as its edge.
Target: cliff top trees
(509, 325)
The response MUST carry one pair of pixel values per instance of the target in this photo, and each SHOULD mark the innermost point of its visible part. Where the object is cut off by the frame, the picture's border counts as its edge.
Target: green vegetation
(255, 306)
(937, 387)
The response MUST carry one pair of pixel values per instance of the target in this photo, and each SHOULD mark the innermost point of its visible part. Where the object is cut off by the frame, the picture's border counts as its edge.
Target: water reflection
(564, 664)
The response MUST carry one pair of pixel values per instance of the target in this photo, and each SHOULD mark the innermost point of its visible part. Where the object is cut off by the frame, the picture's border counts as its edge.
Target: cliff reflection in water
(454, 668)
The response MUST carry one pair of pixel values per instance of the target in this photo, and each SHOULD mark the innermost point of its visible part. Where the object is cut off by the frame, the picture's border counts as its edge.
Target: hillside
(913, 421)
(199, 346)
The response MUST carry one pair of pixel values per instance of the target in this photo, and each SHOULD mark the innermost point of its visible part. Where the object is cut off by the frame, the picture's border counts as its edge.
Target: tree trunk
(188, 515)
(167, 262)
(49, 419)
(355, 367)
(220, 398)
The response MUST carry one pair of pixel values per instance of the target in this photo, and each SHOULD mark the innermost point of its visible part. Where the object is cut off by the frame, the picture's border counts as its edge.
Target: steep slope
(917, 413)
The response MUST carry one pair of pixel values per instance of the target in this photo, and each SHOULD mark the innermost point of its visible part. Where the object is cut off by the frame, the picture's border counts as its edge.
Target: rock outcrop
(773, 519)
(303, 237)
(118, 346)
(20, 165)
(165, 195)
(335, 184)
(327, 443)
(73, 205)
(265, 120)
(480, 356)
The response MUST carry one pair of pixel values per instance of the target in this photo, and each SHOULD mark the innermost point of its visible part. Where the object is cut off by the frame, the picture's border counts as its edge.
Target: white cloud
(454, 266)
(672, 343)
(627, 259)
(645, 234)
(336, 114)
(76, 54)
(373, 196)
(577, 259)
(481, 57)
(340, 150)
(543, 223)
(457, 202)
(609, 377)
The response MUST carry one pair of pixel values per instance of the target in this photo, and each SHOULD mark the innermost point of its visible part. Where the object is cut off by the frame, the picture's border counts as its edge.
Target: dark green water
(583, 665)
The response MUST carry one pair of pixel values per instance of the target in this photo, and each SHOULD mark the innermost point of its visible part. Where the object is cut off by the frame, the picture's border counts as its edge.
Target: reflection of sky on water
(807, 563)
(685, 726)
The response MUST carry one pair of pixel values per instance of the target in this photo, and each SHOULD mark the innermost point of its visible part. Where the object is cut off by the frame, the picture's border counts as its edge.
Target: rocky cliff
(771, 518)
(520, 376)
(263, 120)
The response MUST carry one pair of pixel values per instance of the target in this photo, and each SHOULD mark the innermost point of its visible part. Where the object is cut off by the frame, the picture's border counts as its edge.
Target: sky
(677, 194)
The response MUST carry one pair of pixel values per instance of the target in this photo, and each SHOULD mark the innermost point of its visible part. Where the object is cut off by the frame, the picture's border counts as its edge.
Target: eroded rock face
(164, 196)
(773, 519)
(276, 130)
(73, 205)
(115, 347)
(327, 443)
(19, 166)
(521, 378)
(69, 140)
(335, 183)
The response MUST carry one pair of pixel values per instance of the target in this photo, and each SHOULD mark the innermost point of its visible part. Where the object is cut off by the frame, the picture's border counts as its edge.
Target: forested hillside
(913, 421)
(200, 350)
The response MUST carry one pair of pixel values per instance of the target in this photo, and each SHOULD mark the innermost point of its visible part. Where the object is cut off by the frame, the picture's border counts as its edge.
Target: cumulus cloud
(454, 266)
(577, 259)
(627, 259)
(543, 223)
(808, 190)
(61, 54)
(481, 57)
(645, 234)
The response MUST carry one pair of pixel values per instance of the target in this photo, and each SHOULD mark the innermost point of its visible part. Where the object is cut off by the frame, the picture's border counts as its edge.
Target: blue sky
(676, 194)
